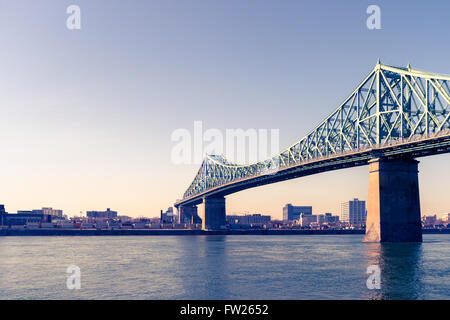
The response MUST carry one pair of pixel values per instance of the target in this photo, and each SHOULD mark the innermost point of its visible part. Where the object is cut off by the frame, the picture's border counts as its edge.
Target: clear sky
(87, 115)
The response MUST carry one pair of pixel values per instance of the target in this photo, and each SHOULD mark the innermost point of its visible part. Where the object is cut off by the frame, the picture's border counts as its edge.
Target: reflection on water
(223, 267)
(205, 256)
(401, 268)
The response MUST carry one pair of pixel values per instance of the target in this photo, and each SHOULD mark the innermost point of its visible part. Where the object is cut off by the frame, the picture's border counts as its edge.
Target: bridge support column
(187, 214)
(213, 213)
(393, 210)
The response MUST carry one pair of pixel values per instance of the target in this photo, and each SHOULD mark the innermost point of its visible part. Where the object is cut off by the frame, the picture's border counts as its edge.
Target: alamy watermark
(73, 282)
(374, 279)
(73, 21)
(373, 22)
(236, 145)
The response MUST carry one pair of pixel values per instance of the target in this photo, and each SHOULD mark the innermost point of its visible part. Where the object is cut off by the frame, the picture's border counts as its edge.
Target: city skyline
(78, 137)
(86, 212)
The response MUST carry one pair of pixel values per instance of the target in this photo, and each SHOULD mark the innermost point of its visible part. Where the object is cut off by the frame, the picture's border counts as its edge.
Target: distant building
(47, 211)
(354, 212)
(2, 213)
(250, 219)
(291, 213)
(25, 218)
(108, 214)
(22, 218)
(307, 219)
(327, 218)
(429, 221)
(52, 212)
(168, 216)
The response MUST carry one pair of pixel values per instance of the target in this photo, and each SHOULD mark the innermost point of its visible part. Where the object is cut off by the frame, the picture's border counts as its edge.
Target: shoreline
(183, 232)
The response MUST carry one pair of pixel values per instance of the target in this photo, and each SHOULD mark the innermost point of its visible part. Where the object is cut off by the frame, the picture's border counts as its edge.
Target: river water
(223, 267)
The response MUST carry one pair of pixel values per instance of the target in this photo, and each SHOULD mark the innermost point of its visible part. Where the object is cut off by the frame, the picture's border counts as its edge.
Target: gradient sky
(87, 115)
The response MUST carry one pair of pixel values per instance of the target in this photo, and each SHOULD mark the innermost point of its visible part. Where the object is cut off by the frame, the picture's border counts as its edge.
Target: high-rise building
(291, 212)
(354, 212)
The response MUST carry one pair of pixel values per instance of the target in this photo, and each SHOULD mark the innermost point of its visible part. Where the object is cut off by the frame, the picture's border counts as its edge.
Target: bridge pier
(393, 209)
(187, 214)
(213, 213)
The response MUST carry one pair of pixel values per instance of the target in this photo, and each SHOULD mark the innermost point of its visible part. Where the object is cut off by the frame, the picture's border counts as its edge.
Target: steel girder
(392, 105)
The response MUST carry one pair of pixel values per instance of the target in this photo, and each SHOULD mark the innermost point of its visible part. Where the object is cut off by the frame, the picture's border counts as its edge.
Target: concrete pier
(187, 214)
(213, 213)
(393, 208)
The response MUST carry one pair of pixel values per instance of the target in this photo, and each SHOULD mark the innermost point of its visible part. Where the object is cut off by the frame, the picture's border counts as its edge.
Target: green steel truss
(391, 105)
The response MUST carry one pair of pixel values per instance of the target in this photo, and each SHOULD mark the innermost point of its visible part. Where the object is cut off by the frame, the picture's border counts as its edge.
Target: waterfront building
(2, 213)
(250, 219)
(108, 214)
(327, 218)
(307, 219)
(291, 213)
(53, 212)
(354, 212)
(168, 216)
(429, 221)
(47, 211)
(22, 218)
(124, 218)
(26, 218)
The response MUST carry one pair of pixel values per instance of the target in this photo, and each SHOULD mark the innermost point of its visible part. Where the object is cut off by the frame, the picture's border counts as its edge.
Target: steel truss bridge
(396, 112)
